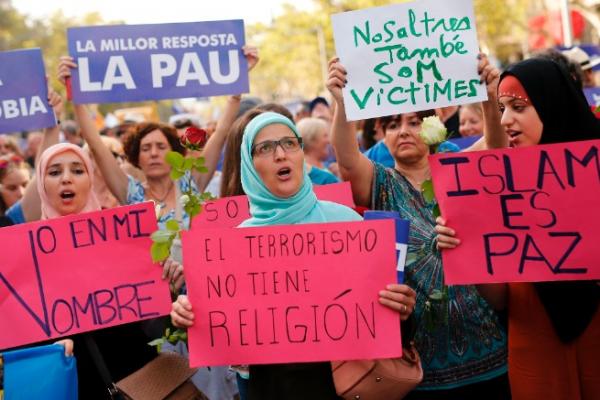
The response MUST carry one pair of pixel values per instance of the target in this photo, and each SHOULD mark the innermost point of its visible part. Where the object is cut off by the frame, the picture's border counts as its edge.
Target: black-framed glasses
(289, 144)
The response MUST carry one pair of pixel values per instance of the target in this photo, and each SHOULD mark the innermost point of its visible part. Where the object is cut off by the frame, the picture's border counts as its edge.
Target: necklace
(157, 199)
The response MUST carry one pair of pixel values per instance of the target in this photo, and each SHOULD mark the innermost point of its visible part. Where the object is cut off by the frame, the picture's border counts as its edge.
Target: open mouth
(284, 172)
(513, 134)
(67, 195)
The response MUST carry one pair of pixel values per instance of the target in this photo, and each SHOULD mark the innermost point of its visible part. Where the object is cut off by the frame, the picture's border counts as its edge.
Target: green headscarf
(268, 209)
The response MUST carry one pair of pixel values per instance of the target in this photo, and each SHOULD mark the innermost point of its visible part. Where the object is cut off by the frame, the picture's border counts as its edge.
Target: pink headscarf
(92, 203)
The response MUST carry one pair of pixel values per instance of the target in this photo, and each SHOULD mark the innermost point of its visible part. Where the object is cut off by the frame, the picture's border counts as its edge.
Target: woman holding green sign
(554, 327)
(459, 337)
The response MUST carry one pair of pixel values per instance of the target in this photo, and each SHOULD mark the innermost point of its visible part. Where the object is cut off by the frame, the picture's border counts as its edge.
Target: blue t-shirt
(320, 176)
(381, 154)
(15, 213)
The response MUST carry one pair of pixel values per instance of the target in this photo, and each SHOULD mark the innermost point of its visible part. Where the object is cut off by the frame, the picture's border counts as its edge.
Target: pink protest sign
(294, 293)
(523, 215)
(229, 212)
(79, 273)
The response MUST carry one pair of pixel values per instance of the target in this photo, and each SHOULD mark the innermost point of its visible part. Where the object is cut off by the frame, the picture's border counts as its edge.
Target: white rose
(433, 131)
(184, 199)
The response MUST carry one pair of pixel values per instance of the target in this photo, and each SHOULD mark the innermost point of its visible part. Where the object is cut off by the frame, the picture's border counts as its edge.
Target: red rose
(194, 137)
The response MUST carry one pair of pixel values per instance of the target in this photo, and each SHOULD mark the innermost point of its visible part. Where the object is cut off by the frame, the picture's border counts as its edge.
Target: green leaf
(436, 211)
(188, 164)
(176, 173)
(427, 190)
(160, 251)
(174, 159)
(161, 236)
(202, 169)
(172, 225)
(199, 161)
(206, 196)
(157, 342)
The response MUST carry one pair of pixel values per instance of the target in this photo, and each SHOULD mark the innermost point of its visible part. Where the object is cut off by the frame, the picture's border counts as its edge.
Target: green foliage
(160, 251)
(175, 159)
(427, 190)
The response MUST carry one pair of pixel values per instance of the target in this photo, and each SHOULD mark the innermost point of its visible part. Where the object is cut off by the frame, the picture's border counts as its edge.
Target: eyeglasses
(267, 148)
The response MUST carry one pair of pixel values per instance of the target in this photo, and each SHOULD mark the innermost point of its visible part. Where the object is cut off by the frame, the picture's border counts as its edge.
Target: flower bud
(433, 131)
(194, 138)
(184, 199)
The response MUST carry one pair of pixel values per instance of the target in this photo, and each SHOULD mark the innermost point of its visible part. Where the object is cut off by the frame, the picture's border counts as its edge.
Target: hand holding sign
(297, 293)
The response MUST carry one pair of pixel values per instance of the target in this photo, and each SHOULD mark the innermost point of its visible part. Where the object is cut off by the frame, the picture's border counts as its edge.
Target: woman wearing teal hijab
(272, 170)
(279, 191)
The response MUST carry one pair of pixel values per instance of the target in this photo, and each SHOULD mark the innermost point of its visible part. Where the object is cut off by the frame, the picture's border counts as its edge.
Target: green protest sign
(408, 57)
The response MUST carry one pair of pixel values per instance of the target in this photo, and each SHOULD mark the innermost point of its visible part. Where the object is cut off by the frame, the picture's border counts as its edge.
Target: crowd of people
(521, 340)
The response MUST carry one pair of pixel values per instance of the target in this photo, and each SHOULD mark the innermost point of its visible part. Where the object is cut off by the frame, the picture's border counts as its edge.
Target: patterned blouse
(136, 194)
(458, 336)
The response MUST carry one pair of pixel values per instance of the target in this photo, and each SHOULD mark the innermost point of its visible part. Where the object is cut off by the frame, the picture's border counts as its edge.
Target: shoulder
(335, 212)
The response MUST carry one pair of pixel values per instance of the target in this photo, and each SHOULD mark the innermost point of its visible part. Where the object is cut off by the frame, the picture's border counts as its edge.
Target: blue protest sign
(120, 63)
(592, 95)
(54, 375)
(402, 226)
(23, 92)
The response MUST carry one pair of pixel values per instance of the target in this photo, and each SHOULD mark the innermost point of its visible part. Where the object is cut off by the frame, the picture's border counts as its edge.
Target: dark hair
(385, 121)
(231, 183)
(368, 133)
(132, 142)
(317, 100)
(124, 129)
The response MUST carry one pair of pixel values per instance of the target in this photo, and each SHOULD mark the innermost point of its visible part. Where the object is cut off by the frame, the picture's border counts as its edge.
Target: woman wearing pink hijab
(64, 181)
(65, 184)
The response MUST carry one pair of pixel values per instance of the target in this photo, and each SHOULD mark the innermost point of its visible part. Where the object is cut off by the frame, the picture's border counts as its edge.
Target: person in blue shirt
(315, 136)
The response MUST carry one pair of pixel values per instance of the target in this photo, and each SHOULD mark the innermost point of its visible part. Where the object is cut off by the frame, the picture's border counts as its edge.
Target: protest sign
(79, 273)
(24, 92)
(294, 293)
(408, 57)
(402, 227)
(592, 95)
(229, 212)
(121, 63)
(522, 215)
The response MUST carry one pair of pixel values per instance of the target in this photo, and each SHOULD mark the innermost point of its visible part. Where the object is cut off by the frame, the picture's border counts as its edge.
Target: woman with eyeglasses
(274, 177)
